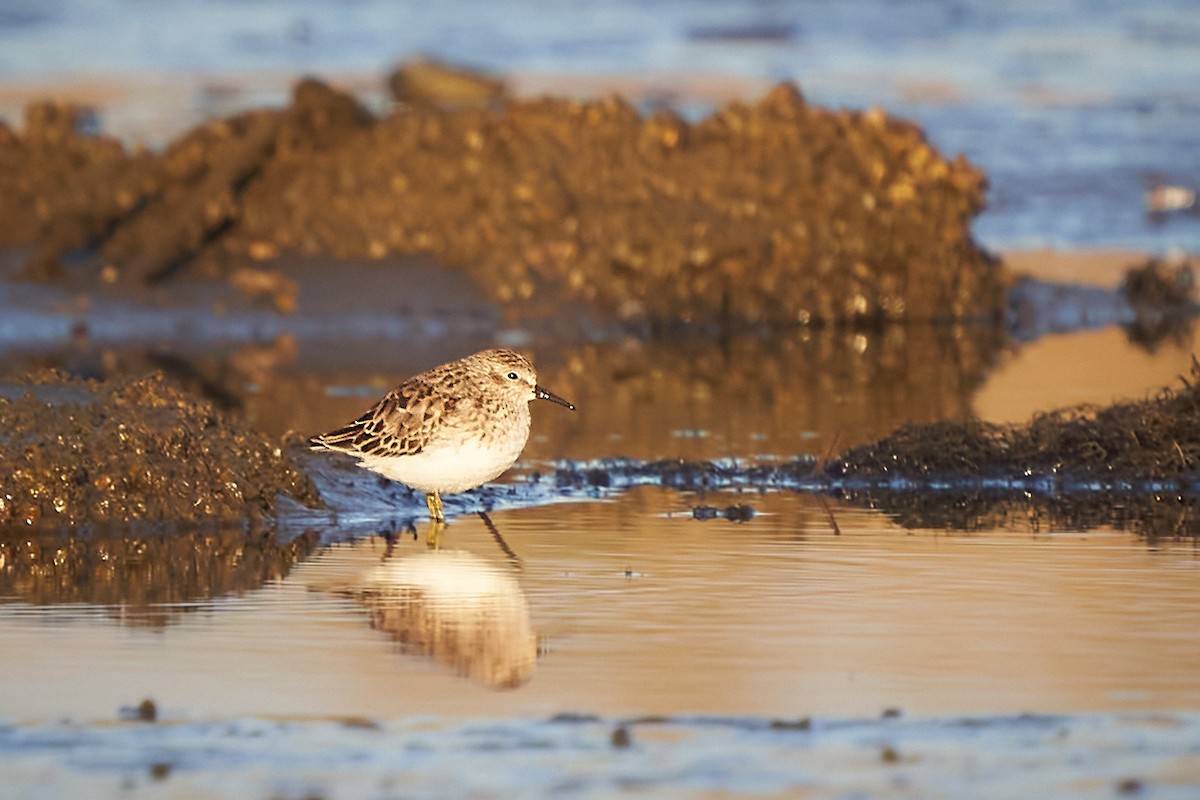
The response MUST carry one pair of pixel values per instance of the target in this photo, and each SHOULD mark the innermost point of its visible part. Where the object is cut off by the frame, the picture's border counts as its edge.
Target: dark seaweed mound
(74, 452)
(1155, 438)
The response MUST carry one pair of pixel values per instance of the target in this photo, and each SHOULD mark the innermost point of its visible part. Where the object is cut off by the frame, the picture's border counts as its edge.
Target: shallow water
(631, 605)
(617, 603)
(638, 608)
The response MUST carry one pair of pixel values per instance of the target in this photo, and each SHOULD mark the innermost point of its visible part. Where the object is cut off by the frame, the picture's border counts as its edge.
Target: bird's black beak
(543, 394)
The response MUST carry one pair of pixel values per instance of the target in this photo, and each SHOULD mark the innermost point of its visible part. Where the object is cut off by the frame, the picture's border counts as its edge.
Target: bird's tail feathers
(341, 439)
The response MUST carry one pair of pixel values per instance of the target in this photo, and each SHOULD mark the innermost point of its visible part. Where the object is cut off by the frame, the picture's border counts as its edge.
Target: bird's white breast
(454, 463)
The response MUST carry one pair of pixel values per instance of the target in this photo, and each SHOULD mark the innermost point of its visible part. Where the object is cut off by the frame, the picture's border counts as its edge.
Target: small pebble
(802, 724)
(1129, 786)
(145, 711)
(621, 737)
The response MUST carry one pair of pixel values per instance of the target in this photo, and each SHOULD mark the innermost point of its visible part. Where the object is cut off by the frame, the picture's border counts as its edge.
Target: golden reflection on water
(457, 608)
(810, 392)
(796, 393)
(641, 609)
(1098, 367)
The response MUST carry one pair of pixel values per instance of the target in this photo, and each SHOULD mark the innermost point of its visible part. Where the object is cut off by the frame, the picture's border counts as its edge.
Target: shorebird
(448, 429)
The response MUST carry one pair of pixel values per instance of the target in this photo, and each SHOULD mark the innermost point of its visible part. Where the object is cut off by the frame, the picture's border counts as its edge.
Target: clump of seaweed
(143, 449)
(1154, 438)
(1163, 297)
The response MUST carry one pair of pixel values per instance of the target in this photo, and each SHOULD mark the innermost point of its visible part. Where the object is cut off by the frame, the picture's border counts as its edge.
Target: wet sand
(1092, 756)
(1105, 268)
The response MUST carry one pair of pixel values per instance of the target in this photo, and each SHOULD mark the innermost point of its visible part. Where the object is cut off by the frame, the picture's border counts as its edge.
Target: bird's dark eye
(512, 376)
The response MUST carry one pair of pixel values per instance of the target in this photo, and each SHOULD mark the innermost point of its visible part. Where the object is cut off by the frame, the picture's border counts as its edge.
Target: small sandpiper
(448, 429)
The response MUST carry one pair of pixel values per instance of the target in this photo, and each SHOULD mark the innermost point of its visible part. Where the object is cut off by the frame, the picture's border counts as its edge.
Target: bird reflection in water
(433, 538)
(458, 608)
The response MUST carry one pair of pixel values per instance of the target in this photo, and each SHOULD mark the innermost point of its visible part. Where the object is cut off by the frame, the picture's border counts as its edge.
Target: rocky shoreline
(776, 212)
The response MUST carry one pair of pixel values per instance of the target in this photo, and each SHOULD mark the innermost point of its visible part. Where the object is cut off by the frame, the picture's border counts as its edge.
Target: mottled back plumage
(398, 425)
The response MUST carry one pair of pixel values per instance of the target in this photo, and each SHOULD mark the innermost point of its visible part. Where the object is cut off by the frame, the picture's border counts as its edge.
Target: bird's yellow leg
(433, 501)
(437, 520)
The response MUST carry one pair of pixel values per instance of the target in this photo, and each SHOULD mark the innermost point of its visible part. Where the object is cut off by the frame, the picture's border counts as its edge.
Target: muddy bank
(772, 212)
(1028, 755)
(73, 452)
(1145, 443)
(1133, 465)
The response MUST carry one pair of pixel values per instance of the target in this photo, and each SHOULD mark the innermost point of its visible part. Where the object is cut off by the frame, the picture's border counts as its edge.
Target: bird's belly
(447, 468)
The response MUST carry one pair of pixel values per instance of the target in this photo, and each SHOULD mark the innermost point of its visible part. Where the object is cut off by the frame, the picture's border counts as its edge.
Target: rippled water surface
(633, 606)
(365, 652)
(626, 603)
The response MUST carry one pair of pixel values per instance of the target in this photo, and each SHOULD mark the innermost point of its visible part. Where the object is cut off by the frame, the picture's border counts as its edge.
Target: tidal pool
(626, 647)
(610, 640)
(632, 607)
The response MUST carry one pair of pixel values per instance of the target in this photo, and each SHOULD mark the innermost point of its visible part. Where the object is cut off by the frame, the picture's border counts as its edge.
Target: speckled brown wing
(398, 425)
